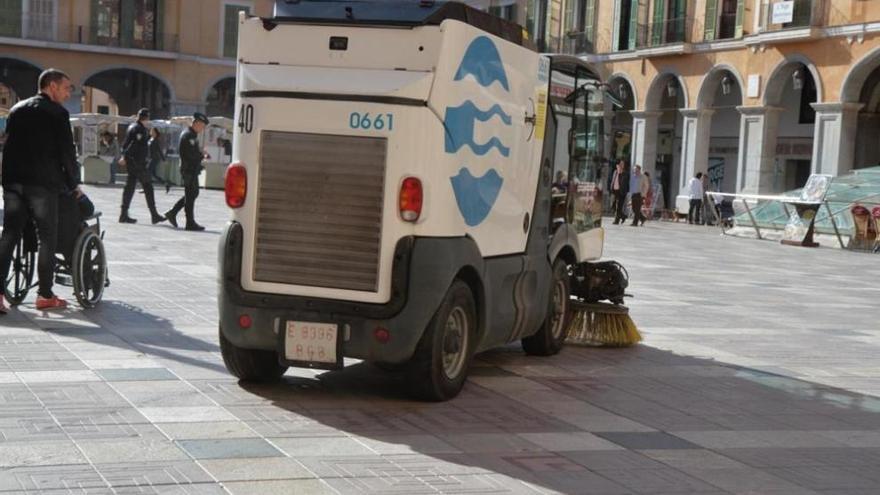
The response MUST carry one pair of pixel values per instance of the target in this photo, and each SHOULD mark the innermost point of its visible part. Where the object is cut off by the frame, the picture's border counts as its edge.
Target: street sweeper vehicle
(411, 184)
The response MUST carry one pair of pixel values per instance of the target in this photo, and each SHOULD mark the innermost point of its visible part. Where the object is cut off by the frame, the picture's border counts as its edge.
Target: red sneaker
(53, 302)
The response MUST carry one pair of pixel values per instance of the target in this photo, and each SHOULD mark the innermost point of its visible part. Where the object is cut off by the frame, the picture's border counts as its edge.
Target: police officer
(134, 156)
(191, 156)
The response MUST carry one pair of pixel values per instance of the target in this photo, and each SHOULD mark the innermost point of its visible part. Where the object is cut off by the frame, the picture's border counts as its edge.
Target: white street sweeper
(411, 184)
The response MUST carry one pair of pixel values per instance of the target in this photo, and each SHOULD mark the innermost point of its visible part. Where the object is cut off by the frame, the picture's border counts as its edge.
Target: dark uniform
(135, 151)
(39, 163)
(190, 167)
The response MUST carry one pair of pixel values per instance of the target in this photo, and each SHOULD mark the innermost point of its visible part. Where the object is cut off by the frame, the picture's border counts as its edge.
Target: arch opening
(129, 90)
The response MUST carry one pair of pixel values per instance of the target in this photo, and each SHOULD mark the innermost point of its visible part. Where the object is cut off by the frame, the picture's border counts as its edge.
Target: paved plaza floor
(759, 374)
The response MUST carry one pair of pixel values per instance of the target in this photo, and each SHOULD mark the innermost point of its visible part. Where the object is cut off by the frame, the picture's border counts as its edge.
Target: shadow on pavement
(636, 420)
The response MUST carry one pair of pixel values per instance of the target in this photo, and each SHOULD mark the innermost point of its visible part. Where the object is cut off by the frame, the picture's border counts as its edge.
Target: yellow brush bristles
(602, 324)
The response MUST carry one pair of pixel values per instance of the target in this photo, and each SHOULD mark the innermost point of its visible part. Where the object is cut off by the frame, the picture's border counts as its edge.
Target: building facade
(756, 93)
(173, 56)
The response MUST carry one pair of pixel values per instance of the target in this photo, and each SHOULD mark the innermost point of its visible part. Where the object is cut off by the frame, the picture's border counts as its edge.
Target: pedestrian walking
(648, 195)
(191, 156)
(619, 189)
(39, 164)
(695, 193)
(135, 150)
(638, 185)
(157, 156)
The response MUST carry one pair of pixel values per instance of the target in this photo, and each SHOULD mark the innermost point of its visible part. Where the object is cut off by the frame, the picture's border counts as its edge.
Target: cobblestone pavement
(758, 375)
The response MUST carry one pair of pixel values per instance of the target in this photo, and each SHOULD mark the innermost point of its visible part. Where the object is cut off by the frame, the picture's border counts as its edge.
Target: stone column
(834, 142)
(696, 133)
(759, 127)
(644, 139)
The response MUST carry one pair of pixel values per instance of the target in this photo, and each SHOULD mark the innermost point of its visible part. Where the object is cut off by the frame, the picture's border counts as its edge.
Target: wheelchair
(80, 260)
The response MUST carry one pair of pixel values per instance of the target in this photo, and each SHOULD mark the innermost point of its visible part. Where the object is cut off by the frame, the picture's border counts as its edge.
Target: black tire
(550, 338)
(21, 274)
(89, 269)
(250, 365)
(439, 367)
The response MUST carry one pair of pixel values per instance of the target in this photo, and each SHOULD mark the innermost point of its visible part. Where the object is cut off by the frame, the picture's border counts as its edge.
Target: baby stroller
(80, 260)
(726, 213)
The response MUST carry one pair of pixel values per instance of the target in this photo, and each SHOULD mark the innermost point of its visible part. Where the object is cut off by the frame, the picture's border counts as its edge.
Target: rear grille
(319, 210)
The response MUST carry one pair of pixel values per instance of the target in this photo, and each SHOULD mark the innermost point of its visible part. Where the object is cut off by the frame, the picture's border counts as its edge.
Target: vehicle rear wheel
(441, 361)
(549, 339)
(21, 273)
(250, 365)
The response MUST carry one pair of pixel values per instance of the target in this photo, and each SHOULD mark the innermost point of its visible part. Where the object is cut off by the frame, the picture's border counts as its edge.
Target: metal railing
(577, 43)
(765, 214)
(666, 32)
(805, 13)
(726, 27)
(14, 24)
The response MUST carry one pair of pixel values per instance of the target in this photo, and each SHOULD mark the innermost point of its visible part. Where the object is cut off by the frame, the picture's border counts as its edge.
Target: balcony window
(670, 24)
(506, 12)
(803, 13)
(723, 19)
(579, 22)
(127, 24)
(39, 19)
(10, 18)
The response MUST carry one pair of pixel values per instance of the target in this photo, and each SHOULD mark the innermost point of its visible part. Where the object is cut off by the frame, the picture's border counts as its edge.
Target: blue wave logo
(459, 122)
(476, 195)
(482, 61)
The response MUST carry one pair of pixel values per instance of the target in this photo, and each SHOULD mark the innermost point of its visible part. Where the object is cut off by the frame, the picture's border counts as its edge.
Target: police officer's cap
(144, 112)
(200, 117)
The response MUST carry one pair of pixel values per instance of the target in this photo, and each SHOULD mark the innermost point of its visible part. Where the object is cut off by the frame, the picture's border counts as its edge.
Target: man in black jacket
(39, 164)
(619, 189)
(134, 157)
(191, 156)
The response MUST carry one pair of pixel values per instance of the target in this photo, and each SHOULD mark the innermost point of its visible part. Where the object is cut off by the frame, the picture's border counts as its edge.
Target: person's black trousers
(619, 205)
(137, 172)
(20, 204)
(188, 201)
(694, 211)
(637, 209)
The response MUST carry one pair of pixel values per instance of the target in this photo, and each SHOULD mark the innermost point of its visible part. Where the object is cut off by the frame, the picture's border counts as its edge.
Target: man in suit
(619, 190)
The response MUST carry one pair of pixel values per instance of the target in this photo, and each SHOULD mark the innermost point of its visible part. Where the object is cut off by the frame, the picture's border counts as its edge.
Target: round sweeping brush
(602, 324)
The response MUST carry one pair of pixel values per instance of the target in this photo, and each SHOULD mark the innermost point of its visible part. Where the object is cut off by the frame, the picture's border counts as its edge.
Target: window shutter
(633, 23)
(590, 20)
(740, 15)
(657, 26)
(711, 20)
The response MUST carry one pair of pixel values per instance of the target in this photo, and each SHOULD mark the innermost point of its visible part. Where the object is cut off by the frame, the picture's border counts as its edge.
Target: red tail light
(410, 199)
(236, 185)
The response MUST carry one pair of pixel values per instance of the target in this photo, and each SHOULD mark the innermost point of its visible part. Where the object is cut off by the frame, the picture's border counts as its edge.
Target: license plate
(311, 342)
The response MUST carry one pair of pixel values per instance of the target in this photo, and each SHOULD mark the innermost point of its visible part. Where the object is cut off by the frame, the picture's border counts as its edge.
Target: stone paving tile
(194, 489)
(131, 450)
(647, 440)
(207, 430)
(54, 453)
(40, 479)
(653, 481)
(229, 448)
(135, 374)
(25, 425)
(254, 469)
(570, 441)
(77, 395)
(30, 377)
(407, 444)
(184, 414)
(299, 487)
(321, 446)
(157, 394)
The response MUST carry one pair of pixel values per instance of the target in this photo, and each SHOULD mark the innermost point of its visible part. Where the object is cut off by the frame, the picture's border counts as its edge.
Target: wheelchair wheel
(21, 274)
(89, 269)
